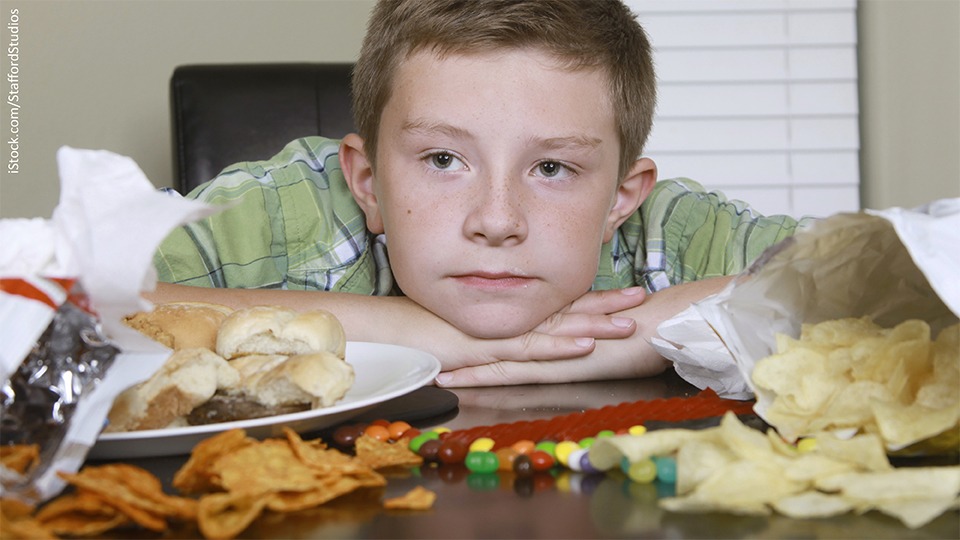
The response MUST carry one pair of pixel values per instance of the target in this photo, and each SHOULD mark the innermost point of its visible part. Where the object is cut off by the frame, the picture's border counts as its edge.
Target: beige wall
(910, 101)
(94, 74)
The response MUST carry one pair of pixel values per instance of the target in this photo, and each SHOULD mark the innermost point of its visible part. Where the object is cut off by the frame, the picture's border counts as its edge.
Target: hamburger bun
(279, 330)
(189, 378)
(181, 325)
(319, 379)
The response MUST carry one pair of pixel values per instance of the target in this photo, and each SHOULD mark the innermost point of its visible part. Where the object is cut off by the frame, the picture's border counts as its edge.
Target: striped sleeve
(684, 233)
(287, 222)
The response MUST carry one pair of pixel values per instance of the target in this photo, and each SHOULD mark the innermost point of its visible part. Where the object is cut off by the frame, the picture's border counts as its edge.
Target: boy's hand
(627, 357)
(570, 333)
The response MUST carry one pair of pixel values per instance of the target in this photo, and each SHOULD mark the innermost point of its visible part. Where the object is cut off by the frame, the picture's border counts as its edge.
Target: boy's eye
(550, 168)
(553, 169)
(444, 161)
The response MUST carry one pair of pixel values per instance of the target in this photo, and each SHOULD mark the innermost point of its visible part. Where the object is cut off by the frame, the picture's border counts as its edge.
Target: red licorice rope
(576, 426)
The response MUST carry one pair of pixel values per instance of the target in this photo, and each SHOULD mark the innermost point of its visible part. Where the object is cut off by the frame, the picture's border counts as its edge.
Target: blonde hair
(581, 34)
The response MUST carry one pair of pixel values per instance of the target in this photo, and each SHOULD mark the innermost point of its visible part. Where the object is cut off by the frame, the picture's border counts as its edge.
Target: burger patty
(227, 408)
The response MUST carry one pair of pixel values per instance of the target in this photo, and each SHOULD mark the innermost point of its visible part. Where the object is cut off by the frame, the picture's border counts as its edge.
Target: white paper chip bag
(65, 286)
(890, 265)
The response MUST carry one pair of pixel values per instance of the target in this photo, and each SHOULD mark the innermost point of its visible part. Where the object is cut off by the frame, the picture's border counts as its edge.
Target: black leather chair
(226, 113)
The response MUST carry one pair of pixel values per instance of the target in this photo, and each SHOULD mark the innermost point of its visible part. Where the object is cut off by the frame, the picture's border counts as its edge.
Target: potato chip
(418, 498)
(145, 485)
(19, 457)
(81, 514)
(812, 504)
(225, 515)
(266, 467)
(866, 451)
(196, 476)
(915, 513)
(851, 374)
(381, 454)
(17, 521)
(700, 459)
(323, 460)
(323, 492)
(732, 468)
(134, 492)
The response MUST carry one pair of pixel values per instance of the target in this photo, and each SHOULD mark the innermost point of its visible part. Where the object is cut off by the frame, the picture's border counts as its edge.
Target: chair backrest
(227, 113)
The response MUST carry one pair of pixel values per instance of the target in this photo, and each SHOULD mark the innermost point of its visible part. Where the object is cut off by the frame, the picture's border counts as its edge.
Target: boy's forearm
(364, 318)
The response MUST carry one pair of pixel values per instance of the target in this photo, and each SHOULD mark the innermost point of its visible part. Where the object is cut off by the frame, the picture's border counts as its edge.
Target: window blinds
(758, 99)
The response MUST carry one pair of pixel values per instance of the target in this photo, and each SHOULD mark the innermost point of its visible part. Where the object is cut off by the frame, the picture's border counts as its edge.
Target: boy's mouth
(493, 280)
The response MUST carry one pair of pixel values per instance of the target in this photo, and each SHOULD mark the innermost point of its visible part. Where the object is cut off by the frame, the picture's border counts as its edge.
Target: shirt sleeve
(684, 233)
(287, 222)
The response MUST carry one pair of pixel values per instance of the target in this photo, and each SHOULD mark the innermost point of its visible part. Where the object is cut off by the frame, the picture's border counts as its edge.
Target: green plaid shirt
(291, 223)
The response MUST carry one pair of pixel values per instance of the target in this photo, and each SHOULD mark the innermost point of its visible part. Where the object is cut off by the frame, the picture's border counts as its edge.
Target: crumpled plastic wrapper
(66, 283)
(891, 265)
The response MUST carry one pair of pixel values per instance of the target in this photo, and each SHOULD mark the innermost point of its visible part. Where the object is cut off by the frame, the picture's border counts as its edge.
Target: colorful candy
(483, 461)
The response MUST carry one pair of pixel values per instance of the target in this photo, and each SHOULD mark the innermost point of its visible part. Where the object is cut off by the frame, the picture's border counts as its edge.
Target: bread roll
(320, 379)
(181, 325)
(279, 330)
(189, 378)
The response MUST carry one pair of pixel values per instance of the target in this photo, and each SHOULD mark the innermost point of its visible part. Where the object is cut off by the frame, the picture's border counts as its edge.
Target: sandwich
(231, 365)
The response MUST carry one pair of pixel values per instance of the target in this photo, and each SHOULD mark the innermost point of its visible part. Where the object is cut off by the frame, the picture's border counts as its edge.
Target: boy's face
(496, 184)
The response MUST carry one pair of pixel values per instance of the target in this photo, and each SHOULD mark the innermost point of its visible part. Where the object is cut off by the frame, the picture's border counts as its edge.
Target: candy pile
(526, 448)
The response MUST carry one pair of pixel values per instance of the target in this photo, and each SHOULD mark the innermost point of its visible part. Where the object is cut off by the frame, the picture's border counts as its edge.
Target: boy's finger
(501, 373)
(612, 301)
(596, 326)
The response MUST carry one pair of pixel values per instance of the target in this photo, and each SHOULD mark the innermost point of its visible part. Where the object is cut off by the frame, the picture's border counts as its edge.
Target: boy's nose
(496, 216)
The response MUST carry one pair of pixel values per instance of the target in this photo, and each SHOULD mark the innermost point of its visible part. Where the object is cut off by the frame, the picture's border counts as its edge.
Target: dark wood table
(560, 505)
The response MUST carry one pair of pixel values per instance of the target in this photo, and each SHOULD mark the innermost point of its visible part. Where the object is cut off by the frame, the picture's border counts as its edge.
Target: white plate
(382, 372)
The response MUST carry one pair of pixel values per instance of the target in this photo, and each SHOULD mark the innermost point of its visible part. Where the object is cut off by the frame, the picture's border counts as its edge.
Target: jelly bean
(807, 445)
(410, 433)
(380, 422)
(417, 442)
(573, 460)
(586, 442)
(643, 471)
(377, 431)
(563, 450)
(586, 465)
(506, 456)
(345, 436)
(452, 451)
(605, 433)
(541, 460)
(481, 444)
(397, 429)
(666, 469)
(481, 462)
(636, 430)
(441, 430)
(524, 446)
(549, 447)
(523, 465)
(429, 450)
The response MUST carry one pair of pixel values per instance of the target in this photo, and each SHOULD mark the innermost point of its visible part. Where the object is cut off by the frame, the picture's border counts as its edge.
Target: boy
(489, 208)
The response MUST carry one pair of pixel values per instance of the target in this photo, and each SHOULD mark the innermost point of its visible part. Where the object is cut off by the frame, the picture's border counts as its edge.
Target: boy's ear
(634, 189)
(358, 172)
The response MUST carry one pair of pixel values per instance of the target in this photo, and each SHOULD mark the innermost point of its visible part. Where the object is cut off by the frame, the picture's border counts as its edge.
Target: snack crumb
(418, 498)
